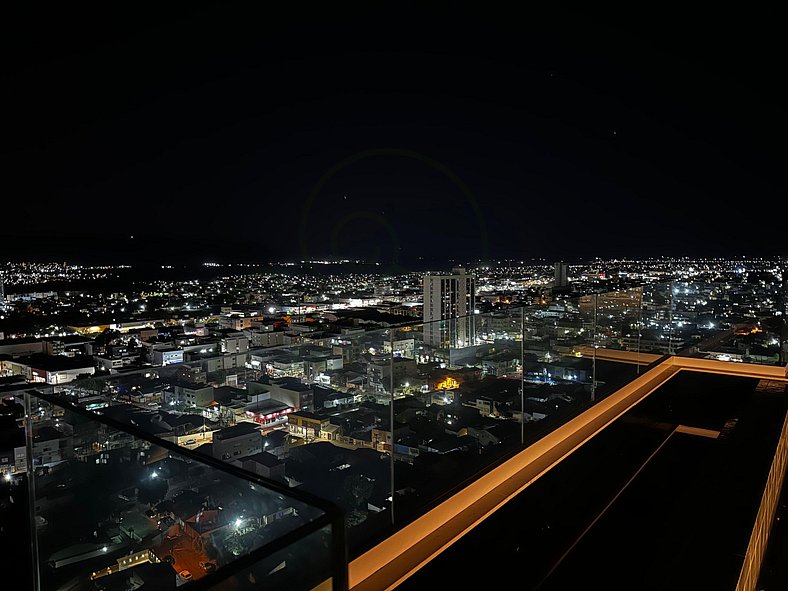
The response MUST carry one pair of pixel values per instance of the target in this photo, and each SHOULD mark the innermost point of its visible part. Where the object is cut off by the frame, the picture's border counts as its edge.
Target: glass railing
(740, 322)
(384, 424)
(115, 506)
(336, 429)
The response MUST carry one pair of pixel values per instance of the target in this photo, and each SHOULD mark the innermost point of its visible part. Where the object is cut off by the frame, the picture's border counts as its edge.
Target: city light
(448, 383)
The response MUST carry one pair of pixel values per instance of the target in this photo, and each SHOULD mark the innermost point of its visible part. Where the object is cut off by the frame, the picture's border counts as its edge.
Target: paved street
(184, 554)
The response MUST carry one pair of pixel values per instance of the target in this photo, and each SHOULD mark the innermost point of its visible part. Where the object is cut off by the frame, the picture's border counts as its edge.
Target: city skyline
(390, 296)
(364, 393)
(307, 381)
(391, 136)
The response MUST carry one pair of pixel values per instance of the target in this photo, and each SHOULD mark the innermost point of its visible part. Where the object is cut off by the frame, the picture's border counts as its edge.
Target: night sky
(391, 133)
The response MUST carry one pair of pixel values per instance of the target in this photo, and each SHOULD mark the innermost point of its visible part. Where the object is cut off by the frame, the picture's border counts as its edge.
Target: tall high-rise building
(561, 274)
(448, 296)
(2, 293)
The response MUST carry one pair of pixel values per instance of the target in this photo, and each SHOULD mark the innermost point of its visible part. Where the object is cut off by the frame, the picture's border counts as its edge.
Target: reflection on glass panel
(115, 510)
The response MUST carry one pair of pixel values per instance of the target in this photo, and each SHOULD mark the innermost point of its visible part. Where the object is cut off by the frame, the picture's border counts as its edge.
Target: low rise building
(238, 441)
(166, 356)
(265, 464)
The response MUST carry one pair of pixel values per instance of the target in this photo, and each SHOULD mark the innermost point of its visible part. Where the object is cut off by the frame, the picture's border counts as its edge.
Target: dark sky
(391, 132)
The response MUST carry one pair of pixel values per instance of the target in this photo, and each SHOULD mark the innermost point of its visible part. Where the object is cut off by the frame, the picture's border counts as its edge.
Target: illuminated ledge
(399, 556)
(710, 433)
(631, 357)
(748, 370)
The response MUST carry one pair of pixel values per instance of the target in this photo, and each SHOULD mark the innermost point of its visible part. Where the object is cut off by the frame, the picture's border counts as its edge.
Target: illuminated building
(448, 383)
(238, 441)
(561, 274)
(448, 297)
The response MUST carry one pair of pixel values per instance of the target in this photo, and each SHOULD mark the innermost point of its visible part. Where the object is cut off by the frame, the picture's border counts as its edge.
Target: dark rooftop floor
(639, 506)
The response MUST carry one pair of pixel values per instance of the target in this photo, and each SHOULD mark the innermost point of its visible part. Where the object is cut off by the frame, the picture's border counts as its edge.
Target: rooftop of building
(266, 459)
(66, 339)
(267, 406)
(46, 362)
(238, 430)
(663, 498)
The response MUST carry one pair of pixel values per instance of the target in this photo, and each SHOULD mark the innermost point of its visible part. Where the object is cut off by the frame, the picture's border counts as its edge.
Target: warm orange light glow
(747, 330)
(448, 383)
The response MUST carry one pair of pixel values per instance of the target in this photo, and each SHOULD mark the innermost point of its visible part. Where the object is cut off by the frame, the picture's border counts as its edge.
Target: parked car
(185, 575)
(207, 565)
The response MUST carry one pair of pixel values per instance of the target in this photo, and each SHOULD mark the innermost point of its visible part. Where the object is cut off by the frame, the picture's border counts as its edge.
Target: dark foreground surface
(640, 506)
